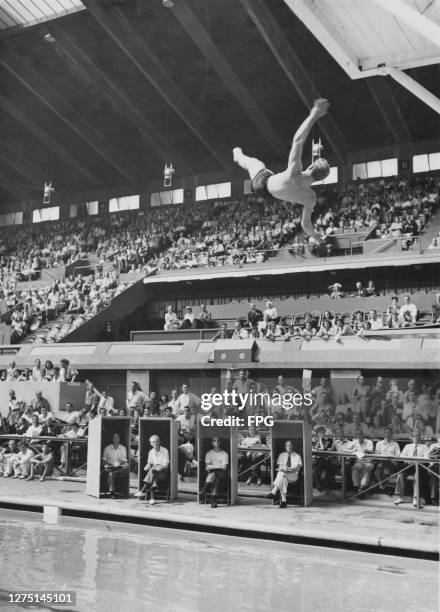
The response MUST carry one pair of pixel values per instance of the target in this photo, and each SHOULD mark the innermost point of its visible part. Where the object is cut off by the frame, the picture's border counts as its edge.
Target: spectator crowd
(217, 233)
(327, 325)
(368, 418)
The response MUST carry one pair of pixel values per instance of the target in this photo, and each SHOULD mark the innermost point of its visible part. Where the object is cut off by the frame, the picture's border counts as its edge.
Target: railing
(371, 247)
(417, 462)
(178, 334)
(378, 245)
(54, 440)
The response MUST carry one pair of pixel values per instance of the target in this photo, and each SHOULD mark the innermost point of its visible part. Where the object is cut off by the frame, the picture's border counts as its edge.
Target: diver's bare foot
(236, 153)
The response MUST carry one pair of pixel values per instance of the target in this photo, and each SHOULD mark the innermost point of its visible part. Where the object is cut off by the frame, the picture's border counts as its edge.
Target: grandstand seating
(197, 235)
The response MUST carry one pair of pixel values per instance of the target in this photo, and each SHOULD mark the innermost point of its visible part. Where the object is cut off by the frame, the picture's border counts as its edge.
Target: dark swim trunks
(259, 182)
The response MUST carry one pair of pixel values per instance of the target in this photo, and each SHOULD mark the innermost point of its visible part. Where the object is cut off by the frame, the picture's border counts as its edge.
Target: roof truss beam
(11, 30)
(21, 165)
(61, 107)
(117, 26)
(330, 39)
(413, 18)
(294, 69)
(415, 88)
(13, 188)
(46, 140)
(106, 87)
(389, 108)
(203, 41)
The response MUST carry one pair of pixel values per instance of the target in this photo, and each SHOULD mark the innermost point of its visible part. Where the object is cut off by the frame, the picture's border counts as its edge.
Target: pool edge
(370, 544)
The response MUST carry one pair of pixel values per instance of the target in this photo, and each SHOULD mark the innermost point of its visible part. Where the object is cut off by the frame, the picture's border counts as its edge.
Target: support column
(343, 381)
(140, 376)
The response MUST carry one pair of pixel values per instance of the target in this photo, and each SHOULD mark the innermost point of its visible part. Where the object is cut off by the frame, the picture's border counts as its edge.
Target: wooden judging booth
(166, 429)
(101, 430)
(300, 434)
(228, 442)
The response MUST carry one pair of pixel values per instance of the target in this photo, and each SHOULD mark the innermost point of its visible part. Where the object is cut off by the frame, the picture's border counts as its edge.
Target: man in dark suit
(223, 334)
(254, 317)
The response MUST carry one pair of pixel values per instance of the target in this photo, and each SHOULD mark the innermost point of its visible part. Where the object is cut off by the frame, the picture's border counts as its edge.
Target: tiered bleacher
(232, 232)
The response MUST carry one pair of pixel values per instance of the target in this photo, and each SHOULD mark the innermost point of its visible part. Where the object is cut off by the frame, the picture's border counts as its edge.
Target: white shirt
(375, 324)
(114, 455)
(410, 450)
(186, 424)
(361, 447)
(240, 334)
(283, 459)
(160, 458)
(24, 457)
(66, 374)
(217, 459)
(71, 433)
(174, 405)
(33, 430)
(271, 313)
(187, 399)
(106, 402)
(73, 416)
(411, 308)
(390, 448)
(37, 373)
(43, 418)
(135, 399)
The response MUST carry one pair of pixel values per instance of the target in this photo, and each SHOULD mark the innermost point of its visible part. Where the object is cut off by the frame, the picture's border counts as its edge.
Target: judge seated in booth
(157, 470)
(115, 463)
(216, 466)
(289, 464)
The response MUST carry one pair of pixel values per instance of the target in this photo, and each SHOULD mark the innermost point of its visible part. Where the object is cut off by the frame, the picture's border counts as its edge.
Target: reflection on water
(131, 567)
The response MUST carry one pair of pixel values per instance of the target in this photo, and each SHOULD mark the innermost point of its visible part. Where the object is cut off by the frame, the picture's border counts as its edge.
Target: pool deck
(373, 525)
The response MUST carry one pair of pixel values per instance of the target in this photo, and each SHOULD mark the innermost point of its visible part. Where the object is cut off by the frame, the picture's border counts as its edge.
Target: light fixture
(168, 3)
(49, 37)
(47, 192)
(168, 174)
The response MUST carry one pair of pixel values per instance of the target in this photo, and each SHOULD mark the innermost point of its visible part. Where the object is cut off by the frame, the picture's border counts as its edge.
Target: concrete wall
(56, 393)
(127, 311)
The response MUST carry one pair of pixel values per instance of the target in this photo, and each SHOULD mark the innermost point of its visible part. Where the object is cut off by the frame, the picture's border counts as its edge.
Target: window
(91, 208)
(123, 203)
(426, 162)
(46, 214)
(375, 169)
(213, 192)
(13, 218)
(331, 178)
(171, 196)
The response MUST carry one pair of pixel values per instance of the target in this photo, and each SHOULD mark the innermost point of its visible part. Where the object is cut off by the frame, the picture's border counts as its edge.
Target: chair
(299, 318)
(161, 492)
(122, 484)
(346, 317)
(286, 320)
(224, 496)
(295, 491)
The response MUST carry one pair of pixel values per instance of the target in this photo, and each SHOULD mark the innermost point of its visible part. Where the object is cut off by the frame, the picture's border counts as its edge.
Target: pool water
(114, 566)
